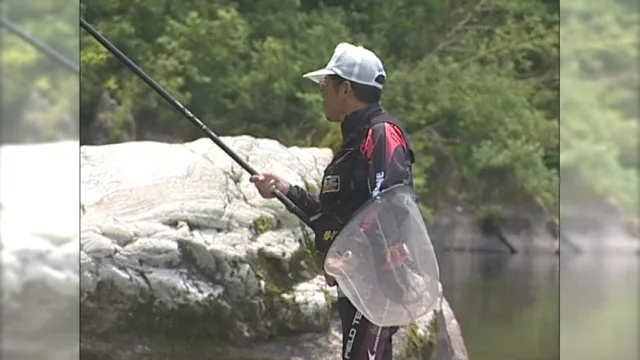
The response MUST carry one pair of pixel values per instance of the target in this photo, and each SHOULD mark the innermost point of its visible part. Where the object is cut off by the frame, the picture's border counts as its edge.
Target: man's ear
(346, 87)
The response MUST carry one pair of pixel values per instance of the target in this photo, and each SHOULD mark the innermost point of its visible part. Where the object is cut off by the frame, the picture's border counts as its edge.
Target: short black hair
(365, 93)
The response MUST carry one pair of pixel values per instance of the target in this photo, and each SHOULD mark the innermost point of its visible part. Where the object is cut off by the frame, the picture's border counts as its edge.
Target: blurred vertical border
(39, 179)
(600, 181)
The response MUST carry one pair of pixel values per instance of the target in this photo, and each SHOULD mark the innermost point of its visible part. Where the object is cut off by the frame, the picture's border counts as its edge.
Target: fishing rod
(184, 111)
(44, 48)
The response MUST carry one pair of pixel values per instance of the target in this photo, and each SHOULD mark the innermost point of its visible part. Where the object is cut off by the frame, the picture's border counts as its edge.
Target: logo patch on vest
(329, 235)
(331, 184)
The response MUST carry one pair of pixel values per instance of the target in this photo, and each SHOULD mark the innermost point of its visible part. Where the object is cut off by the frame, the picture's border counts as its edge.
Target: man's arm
(386, 147)
(305, 200)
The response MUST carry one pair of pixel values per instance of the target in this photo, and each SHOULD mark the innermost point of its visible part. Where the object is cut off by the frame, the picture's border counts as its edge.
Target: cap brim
(318, 75)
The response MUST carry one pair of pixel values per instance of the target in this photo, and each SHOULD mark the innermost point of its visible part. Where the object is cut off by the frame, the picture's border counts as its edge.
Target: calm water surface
(509, 306)
(600, 308)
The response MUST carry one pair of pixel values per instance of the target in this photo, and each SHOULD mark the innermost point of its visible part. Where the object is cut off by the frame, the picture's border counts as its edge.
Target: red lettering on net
(395, 256)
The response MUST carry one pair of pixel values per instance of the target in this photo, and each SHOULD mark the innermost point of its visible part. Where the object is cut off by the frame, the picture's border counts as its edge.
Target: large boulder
(39, 222)
(181, 258)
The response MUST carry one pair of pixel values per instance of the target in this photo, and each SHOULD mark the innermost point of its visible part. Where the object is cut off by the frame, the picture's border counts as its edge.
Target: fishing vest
(345, 184)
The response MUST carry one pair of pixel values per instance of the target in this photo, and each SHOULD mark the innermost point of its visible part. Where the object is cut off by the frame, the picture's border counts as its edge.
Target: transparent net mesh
(384, 262)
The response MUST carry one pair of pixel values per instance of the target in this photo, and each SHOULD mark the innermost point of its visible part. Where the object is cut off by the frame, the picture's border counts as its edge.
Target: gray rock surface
(593, 224)
(177, 245)
(39, 222)
(502, 217)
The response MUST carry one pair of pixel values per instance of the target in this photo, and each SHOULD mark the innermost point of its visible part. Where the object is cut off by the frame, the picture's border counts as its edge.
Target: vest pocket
(344, 180)
(326, 228)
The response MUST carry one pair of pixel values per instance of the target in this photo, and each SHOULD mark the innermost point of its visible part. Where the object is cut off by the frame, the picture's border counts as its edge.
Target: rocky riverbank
(39, 222)
(181, 258)
(177, 244)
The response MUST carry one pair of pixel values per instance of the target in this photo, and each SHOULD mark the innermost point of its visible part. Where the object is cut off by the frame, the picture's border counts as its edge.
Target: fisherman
(375, 154)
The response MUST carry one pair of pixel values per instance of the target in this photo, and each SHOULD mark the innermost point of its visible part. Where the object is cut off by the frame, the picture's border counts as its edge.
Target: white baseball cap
(353, 63)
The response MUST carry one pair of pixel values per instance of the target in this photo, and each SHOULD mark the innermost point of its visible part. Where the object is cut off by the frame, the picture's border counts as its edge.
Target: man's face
(334, 96)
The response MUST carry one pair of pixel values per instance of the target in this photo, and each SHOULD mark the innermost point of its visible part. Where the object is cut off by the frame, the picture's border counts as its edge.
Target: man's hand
(346, 263)
(330, 280)
(267, 183)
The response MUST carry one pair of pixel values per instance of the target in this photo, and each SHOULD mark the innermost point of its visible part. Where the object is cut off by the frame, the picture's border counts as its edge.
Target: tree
(26, 71)
(476, 77)
(599, 98)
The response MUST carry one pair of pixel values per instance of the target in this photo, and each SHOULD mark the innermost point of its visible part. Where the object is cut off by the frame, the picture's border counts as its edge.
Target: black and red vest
(346, 183)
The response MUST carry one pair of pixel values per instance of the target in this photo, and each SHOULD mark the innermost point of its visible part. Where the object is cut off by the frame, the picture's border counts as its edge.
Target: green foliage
(26, 71)
(481, 115)
(478, 78)
(600, 101)
(210, 57)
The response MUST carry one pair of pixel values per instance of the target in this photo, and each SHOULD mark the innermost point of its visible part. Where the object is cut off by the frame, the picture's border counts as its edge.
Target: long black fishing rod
(184, 111)
(44, 48)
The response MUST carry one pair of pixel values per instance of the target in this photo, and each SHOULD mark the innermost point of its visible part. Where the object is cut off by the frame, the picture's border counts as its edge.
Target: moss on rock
(281, 274)
(489, 214)
(213, 320)
(261, 225)
(303, 265)
(420, 347)
(274, 271)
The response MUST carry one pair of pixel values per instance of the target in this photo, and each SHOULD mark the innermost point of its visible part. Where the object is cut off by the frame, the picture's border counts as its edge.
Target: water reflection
(507, 305)
(600, 307)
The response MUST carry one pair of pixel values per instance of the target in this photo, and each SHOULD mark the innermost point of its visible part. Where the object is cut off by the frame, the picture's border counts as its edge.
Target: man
(374, 155)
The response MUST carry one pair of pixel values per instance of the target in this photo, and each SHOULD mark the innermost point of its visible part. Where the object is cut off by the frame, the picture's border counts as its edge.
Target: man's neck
(353, 108)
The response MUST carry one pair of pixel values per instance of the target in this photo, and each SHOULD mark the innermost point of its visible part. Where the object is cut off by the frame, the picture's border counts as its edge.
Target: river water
(509, 307)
